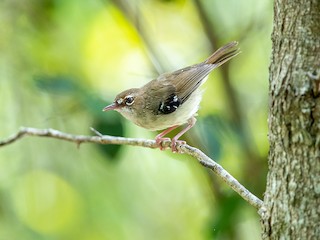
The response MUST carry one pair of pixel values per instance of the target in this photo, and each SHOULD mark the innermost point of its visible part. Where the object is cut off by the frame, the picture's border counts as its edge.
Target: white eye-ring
(119, 101)
(129, 100)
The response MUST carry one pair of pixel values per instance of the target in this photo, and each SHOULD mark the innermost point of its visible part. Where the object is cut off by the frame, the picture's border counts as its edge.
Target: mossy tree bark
(292, 198)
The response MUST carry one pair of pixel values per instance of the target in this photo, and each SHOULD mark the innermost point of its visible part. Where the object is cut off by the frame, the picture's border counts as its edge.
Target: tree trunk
(292, 203)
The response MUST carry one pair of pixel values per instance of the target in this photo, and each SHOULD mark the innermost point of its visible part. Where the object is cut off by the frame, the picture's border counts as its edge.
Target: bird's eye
(129, 100)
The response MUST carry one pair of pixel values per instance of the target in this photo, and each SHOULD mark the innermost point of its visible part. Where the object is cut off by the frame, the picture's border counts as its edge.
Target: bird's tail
(223, 54)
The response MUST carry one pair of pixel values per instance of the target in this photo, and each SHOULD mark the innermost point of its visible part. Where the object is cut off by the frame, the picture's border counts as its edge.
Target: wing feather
(188, 79)
(170, 90)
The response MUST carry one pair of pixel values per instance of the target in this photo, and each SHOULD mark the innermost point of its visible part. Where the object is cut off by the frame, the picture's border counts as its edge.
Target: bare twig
(203, 159)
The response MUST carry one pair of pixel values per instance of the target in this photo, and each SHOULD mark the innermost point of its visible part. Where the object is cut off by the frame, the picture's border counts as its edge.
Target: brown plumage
(172, 99)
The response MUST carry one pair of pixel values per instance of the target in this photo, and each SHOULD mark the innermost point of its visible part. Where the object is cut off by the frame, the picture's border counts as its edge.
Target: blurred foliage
(61, 62)
(103, 123)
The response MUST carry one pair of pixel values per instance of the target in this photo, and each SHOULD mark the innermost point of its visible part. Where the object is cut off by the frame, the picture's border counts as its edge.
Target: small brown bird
(172, 99)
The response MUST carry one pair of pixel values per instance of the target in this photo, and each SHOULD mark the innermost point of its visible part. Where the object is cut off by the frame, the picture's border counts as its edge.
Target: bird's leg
(159, 138)
(174, 141)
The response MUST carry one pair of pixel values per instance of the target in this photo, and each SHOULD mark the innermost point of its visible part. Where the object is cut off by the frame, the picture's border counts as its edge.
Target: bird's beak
(112, 106)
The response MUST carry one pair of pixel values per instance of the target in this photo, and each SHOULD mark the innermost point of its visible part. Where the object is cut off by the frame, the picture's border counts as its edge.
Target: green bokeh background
(61, 62)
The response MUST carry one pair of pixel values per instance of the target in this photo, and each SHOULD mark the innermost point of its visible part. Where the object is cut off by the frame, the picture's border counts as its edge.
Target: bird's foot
(174, 144)
(160, 140)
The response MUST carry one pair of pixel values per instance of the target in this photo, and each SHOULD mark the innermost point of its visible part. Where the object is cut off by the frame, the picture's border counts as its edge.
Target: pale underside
(155, 122)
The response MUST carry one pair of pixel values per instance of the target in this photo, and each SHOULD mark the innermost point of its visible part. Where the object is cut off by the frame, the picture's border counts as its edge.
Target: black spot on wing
(169, 105)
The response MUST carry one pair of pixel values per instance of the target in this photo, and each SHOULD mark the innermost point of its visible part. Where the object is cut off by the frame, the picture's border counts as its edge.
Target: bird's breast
(157, 120)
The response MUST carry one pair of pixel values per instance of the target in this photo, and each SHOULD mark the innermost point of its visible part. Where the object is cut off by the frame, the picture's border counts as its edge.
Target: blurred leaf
(109, 126)
(109, 123)
(171, 1)
(225, 216)
(213, 129)
(95, 105)
(57, 84)
(49, 204)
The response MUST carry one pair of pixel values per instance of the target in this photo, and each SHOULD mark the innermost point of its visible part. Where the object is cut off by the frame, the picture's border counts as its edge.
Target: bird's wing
(161, 97)
(187, 80)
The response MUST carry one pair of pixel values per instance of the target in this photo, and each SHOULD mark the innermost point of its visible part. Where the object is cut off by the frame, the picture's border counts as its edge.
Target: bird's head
(124, 102)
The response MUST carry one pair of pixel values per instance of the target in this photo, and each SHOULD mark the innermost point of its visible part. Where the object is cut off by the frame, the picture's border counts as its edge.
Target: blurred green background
(62, 61)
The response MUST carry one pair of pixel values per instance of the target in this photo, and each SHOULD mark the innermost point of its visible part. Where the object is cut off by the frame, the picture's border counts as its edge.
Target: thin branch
(203, 159)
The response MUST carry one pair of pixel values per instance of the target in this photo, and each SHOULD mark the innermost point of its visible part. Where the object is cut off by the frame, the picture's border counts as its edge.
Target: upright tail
(223, 54)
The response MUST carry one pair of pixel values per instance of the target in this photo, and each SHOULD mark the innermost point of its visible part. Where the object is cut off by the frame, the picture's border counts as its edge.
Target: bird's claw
(174, 144)
(159, 142)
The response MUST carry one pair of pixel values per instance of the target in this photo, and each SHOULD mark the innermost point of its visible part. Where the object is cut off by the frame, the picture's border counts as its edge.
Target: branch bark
(203, 159)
